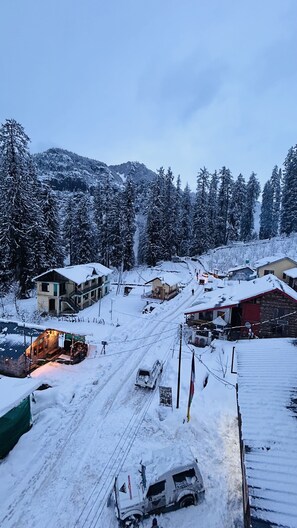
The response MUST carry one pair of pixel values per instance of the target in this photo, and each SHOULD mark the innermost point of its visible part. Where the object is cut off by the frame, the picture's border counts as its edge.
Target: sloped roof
(239, 268)
(270, 260)
(234, 294)
(292, 272)
(171, 279)
(267, 391)
(15, 390)
(81, 272)
(16, 337)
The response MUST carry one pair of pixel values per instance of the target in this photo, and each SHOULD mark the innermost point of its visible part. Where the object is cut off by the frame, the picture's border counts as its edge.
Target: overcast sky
(164, 82)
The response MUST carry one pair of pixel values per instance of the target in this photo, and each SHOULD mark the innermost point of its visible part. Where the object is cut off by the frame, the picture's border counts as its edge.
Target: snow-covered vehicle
(150, 307)
(169, 482)
(147, 377)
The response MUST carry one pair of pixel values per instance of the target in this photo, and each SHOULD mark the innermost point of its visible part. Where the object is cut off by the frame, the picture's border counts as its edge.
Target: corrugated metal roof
(267, 392)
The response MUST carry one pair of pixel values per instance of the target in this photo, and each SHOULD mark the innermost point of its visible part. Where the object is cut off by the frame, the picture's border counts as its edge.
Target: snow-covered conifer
(289, 193)
(252, 193)
(201, 241)
(266, 211)
(224, 201)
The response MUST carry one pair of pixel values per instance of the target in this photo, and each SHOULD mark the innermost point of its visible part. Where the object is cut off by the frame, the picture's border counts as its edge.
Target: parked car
(138, 493)
(147, 377)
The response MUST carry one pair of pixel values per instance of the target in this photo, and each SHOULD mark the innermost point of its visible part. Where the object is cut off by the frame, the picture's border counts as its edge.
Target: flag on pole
(192, 386)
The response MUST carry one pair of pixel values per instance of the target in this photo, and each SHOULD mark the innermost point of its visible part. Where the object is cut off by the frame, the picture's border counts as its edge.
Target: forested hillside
(60, 207)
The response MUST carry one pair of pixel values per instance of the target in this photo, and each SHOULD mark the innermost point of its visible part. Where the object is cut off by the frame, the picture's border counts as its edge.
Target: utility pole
(179, 364)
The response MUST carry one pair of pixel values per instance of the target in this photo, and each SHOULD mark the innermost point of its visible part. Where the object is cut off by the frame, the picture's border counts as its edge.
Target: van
(143, 491)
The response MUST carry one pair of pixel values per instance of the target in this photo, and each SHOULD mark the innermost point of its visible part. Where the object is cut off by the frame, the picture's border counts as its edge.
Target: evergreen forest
(120, 225)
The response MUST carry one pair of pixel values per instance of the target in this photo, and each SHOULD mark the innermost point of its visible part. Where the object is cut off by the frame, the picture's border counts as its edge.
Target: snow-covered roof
(240, 268)
(16, 337)
(267, 374)
(81, 272)
(171, 279)
(234, 294)
(15, 390)
(291, 273)
(270, 260)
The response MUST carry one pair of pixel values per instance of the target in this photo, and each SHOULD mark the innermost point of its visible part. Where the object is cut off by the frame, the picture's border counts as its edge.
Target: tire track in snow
(47, 470)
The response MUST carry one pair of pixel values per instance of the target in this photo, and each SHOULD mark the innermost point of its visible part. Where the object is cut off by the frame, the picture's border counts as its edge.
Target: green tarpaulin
(13, 425)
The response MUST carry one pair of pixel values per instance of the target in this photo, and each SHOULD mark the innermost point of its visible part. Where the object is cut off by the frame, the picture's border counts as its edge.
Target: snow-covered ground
(93, 421)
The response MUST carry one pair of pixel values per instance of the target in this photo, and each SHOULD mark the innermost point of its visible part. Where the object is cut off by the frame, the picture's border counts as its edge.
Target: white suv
(147, 377)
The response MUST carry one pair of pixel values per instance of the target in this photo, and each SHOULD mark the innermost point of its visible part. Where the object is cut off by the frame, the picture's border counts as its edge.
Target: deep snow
(92, 421)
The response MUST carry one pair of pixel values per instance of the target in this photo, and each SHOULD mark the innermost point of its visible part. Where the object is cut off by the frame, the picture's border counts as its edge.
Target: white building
(73, 288)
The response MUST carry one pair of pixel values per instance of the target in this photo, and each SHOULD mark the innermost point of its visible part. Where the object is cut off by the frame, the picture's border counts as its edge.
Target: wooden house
(73, 288)
(266, 306)
(275, 265)
(25, 347)
(15, 410)
(164, 287)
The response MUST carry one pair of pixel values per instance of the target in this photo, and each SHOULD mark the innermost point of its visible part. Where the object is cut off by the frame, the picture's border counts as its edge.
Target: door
(156, 497)
(251, 314)
(52, 305)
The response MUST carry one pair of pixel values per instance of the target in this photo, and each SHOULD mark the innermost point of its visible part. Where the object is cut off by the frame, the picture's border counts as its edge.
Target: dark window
(93, 293)
(143, 373)
(62, 288)
(266, 272)
(156, 489)
(184, 478)
(45, 286)
(284, 275)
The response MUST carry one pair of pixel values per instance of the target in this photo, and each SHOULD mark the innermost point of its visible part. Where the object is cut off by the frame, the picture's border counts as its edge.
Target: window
(45, 286)
(266, 272)
(93, 293)
(184, 478)
(62, 288)
(156, 489)
(284, 276)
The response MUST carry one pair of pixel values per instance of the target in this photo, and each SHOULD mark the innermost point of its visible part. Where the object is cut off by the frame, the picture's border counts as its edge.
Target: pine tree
(289, 193)
(107, 221)
(224, 200)
(252, 193)
(115, 230)
(236, 209)
(154, 227)
(18, 205)
(212, 210)
(99, 217)
(177, 224)
(128, 224)
(200, 217)
(83, 230)
(68, 229)
(186, 222)
(276, 178)
(266, 216)
(168, 213)
(52, 238)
